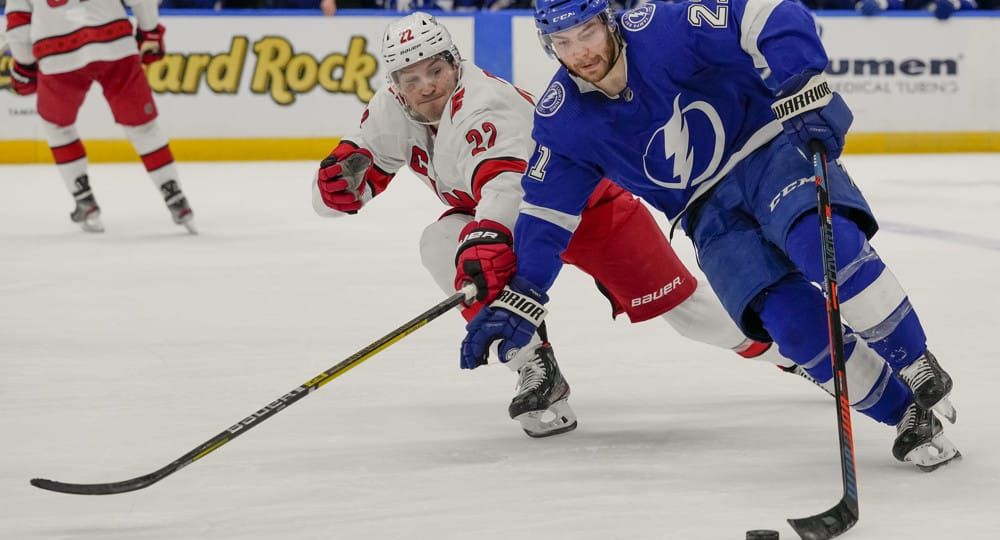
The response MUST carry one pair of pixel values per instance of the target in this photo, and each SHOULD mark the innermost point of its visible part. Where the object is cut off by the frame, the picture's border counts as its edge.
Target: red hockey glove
(24, 78)
(341, 178)
(150, 44)
(486, 258)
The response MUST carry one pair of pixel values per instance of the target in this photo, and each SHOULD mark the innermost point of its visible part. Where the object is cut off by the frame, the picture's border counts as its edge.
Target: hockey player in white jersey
(466, 135)
(60, 47)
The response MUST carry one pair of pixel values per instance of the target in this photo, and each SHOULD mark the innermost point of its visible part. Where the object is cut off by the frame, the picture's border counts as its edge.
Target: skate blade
(189, 225)
(92, 223)
(946, 410)
(938, 452)
(559, 418)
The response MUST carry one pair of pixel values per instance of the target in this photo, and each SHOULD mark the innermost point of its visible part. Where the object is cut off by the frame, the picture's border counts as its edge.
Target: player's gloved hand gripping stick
(485, 257)
(810, 112)
(513, 318)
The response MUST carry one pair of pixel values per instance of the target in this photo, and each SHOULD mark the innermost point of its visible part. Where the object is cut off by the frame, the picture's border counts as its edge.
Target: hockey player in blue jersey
(706, 110)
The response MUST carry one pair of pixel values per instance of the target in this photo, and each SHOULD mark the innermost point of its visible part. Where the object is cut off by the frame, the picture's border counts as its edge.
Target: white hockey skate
(86, 214)
(931, 385)
(920, 440)
(541, 404)
(180, 210)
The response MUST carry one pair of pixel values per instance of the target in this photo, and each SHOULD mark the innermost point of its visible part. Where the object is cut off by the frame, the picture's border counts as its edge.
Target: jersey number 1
(538, 170)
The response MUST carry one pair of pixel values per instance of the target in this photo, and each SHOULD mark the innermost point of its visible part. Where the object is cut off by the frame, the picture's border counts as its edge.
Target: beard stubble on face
(605, 58)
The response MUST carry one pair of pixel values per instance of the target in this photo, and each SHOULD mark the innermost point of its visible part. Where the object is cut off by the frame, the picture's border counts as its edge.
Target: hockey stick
(844, 515)
(264, 413)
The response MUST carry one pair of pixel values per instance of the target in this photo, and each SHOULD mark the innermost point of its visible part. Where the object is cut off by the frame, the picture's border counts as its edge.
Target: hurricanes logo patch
(636, 19)
(551, 100)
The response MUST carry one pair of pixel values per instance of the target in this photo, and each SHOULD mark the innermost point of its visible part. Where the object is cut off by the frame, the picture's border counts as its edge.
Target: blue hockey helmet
(553, 16)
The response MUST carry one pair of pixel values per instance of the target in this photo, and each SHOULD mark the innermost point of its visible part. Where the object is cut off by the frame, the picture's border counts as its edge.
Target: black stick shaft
(836, 329)
(844, 515)
(261, 414)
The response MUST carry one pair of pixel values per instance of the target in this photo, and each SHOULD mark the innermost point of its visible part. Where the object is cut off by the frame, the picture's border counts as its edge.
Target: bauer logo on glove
(489, 236)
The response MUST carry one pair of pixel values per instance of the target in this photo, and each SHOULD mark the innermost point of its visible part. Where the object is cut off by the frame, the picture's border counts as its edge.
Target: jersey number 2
(698, 14)
(476, 138)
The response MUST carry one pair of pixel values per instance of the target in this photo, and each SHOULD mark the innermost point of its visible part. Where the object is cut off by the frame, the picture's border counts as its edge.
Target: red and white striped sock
(67, 150)
(154, 149)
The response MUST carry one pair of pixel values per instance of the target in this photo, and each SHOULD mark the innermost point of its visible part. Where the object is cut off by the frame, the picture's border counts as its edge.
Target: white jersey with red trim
(478, 154)
(66, 35)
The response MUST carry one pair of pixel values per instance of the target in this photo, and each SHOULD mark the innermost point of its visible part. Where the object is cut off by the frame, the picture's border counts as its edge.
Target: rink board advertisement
(914, 83)
(284, 82)
(250, 87)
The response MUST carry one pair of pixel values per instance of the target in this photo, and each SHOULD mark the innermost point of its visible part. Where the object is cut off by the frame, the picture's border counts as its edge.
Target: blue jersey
(701, 80)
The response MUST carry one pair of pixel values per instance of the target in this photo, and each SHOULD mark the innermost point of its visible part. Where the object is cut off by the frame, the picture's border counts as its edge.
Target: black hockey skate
(178, 205)
(86, 214)
(930, 384)
(541, 402)
(920, 440)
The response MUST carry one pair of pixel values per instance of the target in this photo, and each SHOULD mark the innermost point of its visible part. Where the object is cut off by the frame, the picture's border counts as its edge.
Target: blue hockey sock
(871, 299)
(873, 387)
(887, 399)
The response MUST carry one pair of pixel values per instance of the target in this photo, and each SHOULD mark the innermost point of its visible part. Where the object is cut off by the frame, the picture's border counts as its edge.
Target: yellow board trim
(104, 151)
(923, 143)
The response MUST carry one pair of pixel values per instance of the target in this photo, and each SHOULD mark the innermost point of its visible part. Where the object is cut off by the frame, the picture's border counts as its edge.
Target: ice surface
(120, 352)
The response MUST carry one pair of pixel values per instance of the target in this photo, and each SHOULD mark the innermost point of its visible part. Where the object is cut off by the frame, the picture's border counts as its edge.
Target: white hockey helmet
(414, 38)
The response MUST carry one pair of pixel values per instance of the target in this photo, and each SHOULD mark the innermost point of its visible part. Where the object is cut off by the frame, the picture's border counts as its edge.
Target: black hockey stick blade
(256, 418)
(112, 488)
(830, 524)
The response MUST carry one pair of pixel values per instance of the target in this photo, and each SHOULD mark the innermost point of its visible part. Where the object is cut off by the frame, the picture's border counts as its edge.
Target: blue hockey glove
(811, 111)
(871, 7)
(942, 9)
(512, 318)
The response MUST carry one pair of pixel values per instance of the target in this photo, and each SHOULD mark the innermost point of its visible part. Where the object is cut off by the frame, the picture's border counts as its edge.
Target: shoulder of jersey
(649, 16)
(478, 92)
(559, 96)
(383, 96)
(384, 106)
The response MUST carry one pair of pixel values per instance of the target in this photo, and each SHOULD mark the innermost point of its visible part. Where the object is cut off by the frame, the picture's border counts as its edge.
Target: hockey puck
(762, 534)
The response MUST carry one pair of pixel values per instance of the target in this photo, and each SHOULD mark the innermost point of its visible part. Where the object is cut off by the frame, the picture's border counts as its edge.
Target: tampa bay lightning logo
(676, 155)
(638, 18)
(552, 99)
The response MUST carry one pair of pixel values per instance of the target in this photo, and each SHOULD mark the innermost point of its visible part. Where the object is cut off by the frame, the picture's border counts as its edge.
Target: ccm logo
(656, 295)
(562, 17)
(788, 191)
